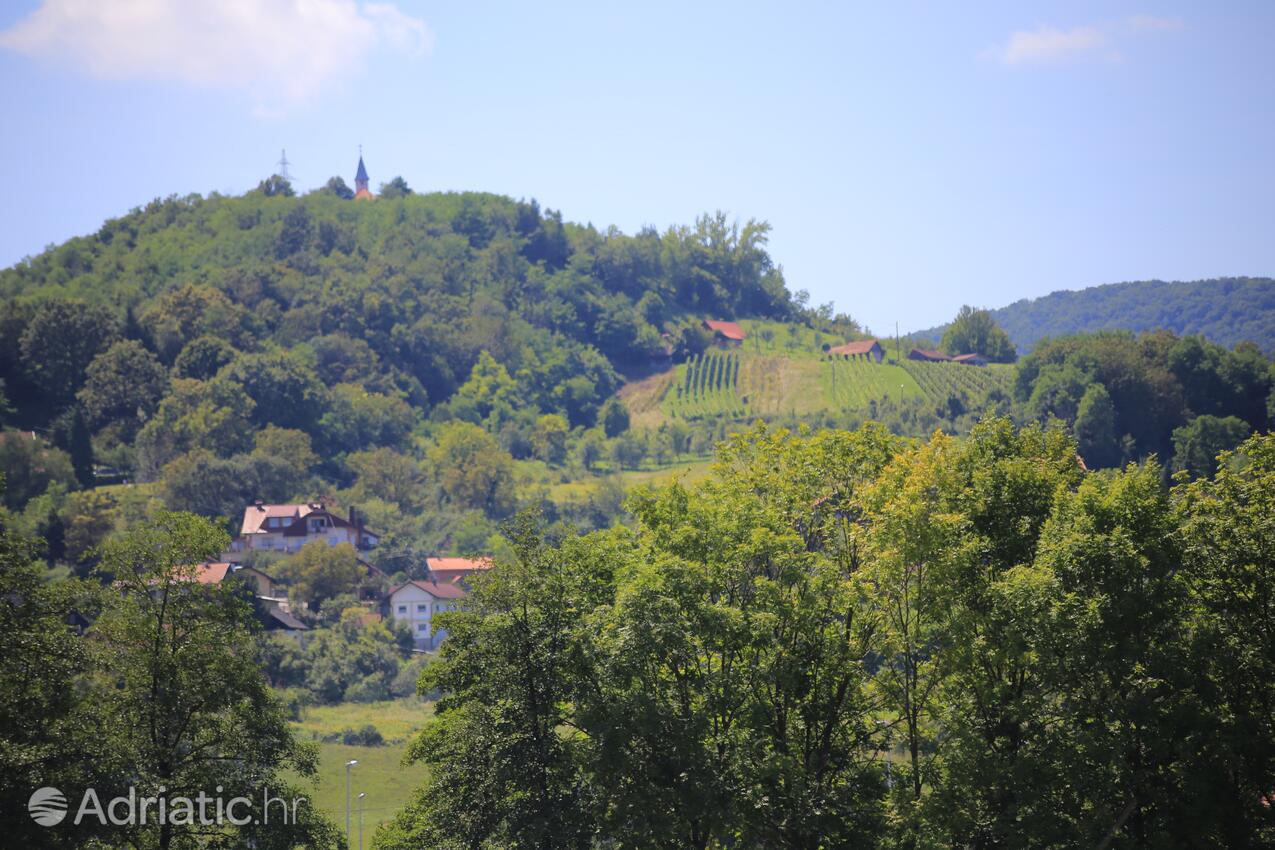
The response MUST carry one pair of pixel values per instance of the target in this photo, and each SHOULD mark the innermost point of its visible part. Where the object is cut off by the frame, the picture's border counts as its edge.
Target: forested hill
(399, 294)
(1226, 310)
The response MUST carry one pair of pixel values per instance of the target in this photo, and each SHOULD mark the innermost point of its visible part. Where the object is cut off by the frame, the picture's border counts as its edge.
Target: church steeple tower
(360, 179)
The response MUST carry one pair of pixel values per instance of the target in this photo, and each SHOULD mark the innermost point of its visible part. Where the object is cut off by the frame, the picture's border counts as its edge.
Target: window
(402, 609)
(422, 627)
(421, 609)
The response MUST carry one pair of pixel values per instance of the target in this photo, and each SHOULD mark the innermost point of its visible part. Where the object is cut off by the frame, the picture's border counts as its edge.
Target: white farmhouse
(416, 603)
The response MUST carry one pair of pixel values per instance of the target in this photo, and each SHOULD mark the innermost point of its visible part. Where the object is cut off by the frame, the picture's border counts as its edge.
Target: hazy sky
(910, 157)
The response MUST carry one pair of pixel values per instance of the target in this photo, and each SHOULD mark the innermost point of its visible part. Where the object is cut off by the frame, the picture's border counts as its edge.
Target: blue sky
(910, 157)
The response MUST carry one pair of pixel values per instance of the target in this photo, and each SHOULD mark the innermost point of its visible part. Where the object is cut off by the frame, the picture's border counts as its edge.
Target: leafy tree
(974, 331)
(550, 439)
(286, 392)
(203, 357)
(88, 517)
(215, 416)
(80, 448)
(60, 342)
(337, 186)
(318, 572)
(473, 470)
(385, 474)
(354, 660)
(627, 452)
(296, 233)
(1197, 445)
(30, 466)
(490, 395)
(1228, 546)
(500, 769)
(275, 186)
(193, 710)
(1096, 428)
(1123, 667)
(396, 188)
(591, 448)
(183, 315)
(49, 734)
(358, 419)
(614, 417)
(124, 383)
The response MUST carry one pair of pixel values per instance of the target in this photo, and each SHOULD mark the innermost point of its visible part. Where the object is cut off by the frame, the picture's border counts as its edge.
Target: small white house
(416, 603)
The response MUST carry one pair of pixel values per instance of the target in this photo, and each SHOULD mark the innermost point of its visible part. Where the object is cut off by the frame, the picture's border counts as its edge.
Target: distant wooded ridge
(1226, 310)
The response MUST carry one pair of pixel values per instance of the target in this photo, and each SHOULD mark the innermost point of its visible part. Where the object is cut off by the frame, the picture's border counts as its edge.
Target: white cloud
(1047, 44)
(282, 52)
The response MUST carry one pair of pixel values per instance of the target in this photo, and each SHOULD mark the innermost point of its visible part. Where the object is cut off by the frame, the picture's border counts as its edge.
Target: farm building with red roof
(727, 332)
(869, 349)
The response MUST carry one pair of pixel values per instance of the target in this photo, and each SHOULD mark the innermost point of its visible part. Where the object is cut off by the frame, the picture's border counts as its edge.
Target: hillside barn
(867, 349)
(725, 333)
(926, 356)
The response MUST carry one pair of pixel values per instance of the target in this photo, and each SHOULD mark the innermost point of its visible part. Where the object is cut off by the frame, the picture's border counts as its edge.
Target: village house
(452, 570)
(868, 349)
(724, 333)
(286, 528)
(926, 356)
(416, 603)
(273, 601)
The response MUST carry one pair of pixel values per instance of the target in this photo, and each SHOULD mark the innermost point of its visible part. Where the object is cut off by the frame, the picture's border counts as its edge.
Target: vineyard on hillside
(707, 387)
(938, 381)
(739, 384)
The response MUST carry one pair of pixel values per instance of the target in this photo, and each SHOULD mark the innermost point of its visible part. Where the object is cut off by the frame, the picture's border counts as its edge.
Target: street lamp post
(349, 764)
(361, 796)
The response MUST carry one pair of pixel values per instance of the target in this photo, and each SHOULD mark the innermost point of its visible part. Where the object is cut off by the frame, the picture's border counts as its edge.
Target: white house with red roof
(416, 603)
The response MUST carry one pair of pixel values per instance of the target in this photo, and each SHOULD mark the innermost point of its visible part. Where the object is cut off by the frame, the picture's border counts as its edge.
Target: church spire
(360, 179)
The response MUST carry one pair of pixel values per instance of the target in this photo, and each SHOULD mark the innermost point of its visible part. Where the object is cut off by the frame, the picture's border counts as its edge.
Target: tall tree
(974, 331)
(195, 714)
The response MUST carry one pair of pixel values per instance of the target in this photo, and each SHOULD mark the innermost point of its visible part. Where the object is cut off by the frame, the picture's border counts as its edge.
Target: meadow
(380, 772)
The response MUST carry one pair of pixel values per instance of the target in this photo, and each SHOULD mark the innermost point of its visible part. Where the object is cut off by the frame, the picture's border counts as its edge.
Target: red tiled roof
(730, 330)
(930, 355)
(255, 516)
(436, 589)
(212, 573)
(458, 565)
(863, 346)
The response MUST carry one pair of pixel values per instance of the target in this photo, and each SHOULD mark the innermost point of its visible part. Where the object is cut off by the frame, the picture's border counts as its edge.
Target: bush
(368, 736)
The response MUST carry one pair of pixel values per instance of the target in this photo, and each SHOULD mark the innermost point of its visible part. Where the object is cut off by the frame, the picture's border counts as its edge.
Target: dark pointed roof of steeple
(361, 174)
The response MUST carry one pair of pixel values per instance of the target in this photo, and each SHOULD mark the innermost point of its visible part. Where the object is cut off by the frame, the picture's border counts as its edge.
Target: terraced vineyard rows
(707, 385)
(940, 380)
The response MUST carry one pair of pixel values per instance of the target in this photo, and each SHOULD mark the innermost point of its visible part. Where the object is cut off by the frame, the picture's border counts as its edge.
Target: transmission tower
(282, 165)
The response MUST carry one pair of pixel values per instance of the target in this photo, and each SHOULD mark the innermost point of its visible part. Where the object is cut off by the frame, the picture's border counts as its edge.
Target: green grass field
(380, 773)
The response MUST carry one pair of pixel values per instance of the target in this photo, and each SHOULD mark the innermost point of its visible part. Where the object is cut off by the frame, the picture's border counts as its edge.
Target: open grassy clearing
(396, 719)
(380, 772)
